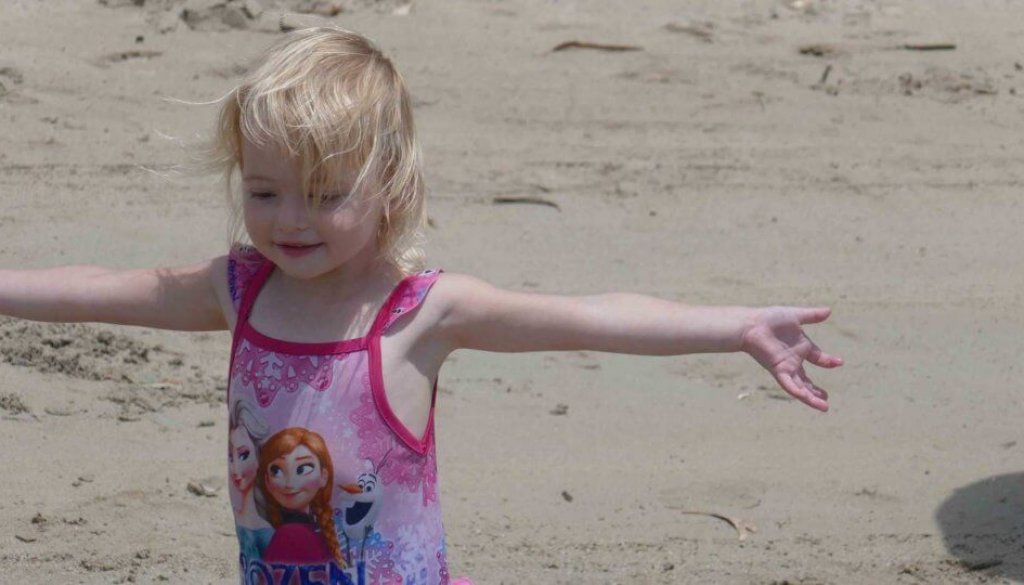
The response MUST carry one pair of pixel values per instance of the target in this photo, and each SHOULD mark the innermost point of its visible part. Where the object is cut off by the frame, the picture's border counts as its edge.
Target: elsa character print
(246, 432)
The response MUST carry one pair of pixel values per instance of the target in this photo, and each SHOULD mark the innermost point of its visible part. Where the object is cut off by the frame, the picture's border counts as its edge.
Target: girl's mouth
(295, 250)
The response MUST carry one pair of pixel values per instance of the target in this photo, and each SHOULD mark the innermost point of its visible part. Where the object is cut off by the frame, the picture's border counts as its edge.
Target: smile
(295, 250)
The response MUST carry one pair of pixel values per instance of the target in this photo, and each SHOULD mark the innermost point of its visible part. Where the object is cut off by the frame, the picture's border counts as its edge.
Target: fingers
(803, 390)
(822, 359)
(811, 387)
(813, 315)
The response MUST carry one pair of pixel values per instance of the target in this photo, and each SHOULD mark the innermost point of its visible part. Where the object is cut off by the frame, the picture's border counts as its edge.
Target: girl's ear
(382, 227)
(384, 223)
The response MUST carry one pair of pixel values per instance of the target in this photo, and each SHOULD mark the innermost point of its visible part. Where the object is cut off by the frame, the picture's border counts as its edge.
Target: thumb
(814, 315)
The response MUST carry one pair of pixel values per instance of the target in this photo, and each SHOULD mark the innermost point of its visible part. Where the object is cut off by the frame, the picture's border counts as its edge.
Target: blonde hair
(330, 99)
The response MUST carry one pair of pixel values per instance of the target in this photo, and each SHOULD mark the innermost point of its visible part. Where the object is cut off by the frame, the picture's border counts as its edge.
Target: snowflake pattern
(380, 567)
(269, 372)
(412, 560)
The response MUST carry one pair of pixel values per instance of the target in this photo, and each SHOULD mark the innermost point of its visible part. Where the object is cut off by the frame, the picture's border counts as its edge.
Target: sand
(750, 152)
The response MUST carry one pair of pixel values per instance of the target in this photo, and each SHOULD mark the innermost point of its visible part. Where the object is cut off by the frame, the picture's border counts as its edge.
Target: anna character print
(297, 476)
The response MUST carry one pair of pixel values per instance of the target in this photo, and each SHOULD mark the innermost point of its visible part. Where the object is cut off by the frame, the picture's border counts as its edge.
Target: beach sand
(747, 152)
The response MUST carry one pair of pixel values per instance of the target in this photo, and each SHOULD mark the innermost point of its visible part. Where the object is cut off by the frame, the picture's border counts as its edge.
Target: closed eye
(261, 195)
(333, 198)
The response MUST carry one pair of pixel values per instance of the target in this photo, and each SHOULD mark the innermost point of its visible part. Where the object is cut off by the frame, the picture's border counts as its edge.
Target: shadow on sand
(983, 525)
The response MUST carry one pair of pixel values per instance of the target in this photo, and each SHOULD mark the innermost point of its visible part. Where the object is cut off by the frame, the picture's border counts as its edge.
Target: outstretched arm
(476, 315)
(166, 298)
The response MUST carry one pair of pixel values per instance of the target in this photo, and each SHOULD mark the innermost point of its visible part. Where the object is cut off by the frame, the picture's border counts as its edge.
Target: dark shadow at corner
(983, 526)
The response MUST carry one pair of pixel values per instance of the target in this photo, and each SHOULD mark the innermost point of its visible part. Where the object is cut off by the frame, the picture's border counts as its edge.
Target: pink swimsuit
(328, 486)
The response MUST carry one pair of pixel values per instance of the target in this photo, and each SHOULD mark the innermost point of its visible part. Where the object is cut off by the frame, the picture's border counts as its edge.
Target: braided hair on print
(281, 444)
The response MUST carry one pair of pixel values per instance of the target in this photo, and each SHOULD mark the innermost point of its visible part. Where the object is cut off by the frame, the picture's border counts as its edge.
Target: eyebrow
(257, 178)
(305, 458)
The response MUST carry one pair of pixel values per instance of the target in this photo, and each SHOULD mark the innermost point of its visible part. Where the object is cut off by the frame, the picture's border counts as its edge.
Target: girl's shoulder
(451, 297)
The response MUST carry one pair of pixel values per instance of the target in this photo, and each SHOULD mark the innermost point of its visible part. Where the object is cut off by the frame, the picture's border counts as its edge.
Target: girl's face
(243, 459)
(341, 234)
(295, 478)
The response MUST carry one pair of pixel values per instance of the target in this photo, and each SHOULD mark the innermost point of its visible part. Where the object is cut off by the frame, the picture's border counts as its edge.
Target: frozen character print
(297, 477)
(360, 506)
(246, 431)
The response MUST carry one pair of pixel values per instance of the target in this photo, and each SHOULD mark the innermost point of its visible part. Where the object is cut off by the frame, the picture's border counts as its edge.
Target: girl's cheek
(346, 216)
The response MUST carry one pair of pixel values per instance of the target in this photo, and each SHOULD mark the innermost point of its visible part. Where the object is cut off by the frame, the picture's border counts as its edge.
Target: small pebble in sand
(235, 17)
(325, 8)
(566, 496)
(200, 489)
(87, 478)
(560, 410)
(253, 9)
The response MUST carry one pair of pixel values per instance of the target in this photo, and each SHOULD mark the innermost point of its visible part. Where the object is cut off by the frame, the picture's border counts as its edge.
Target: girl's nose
(293, 214)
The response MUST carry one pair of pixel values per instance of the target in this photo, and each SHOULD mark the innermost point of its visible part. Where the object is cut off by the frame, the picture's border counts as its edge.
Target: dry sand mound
(145, 377)
(263, 15)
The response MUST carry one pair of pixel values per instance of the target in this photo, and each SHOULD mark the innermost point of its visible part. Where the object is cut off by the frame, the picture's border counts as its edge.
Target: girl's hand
(777, 341)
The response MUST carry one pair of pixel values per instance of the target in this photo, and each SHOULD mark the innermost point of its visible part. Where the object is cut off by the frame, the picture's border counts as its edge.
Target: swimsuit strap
(252, 289)
(405, 298)
(243, 263)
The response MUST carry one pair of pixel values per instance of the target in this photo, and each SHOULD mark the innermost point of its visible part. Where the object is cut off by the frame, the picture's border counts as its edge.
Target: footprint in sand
(9, 78)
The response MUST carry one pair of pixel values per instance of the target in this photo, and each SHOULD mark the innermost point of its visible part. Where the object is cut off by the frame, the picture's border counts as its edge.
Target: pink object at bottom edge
(461, 581)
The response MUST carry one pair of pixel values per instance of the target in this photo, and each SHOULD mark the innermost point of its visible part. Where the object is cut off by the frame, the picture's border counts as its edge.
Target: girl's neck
(347, 282)
(332, 307)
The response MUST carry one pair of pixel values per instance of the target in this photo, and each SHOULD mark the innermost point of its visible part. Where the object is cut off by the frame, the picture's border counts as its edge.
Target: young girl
(339, 332)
